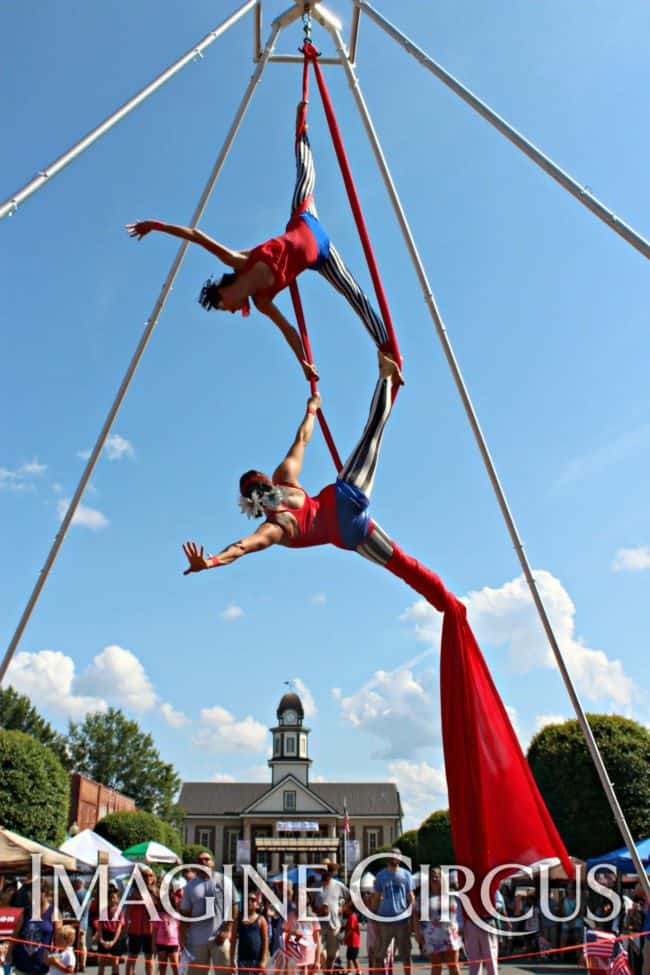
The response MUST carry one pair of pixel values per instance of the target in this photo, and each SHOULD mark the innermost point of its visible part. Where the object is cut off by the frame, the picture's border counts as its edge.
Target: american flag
(294, 949)
(346, 818)
(390, 958)
(619, 965)
(599, 944)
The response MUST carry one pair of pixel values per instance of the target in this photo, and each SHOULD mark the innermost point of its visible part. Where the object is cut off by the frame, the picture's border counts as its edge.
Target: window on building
(230, 845)
(276, 744)
(289, 800)
(303, 746)
(290, 743)
(373, 841)
(204, 837)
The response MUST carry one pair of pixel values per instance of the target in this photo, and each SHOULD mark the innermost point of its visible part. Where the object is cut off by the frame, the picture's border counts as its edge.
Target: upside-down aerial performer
(488, 778)
(261, 273)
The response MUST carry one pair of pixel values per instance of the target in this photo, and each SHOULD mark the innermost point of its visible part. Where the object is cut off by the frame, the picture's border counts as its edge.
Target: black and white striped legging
(333, 269)
(361, 466)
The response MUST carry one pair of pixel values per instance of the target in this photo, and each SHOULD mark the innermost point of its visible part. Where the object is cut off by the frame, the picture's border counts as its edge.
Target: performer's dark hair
(210, 297)
(250, 480)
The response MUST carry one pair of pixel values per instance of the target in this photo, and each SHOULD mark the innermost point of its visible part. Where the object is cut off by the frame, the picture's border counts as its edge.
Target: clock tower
(290, 741)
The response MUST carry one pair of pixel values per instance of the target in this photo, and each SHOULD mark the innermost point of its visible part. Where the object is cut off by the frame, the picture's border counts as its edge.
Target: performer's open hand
(195, 557)
(314, 402)
(141, 228)
(310, 371)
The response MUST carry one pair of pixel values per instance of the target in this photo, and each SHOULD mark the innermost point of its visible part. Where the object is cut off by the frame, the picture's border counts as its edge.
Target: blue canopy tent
(292, 875)
(621, 860)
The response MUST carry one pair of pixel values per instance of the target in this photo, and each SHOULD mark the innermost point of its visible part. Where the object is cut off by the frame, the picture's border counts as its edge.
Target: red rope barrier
(425, 965)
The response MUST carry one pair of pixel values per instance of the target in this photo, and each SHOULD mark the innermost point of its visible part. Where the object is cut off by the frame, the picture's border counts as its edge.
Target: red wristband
(214, 561)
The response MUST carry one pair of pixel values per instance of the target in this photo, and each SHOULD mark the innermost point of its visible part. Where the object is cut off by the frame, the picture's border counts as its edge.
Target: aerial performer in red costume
(260, 273)
(489, 780)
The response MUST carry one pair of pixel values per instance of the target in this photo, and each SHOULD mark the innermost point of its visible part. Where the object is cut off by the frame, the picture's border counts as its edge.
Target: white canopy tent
(87, 846)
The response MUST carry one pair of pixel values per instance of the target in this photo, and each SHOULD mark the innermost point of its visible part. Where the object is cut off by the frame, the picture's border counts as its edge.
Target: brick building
(90, 802)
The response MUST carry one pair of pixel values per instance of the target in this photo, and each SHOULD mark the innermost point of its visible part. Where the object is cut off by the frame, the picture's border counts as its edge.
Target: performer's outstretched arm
(265, 536)
(233, 259)
(266, 306)
(289, 470)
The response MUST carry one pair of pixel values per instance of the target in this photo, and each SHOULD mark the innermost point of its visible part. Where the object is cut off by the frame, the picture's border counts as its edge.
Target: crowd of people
(204, 924)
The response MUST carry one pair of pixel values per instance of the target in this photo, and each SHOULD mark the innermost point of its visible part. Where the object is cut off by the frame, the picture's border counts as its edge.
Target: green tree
(34, 788)
(192, 852)
(571, 788)
(17, 713)
(435, 845)
(125, 829)
(111, 749)
(407, 844)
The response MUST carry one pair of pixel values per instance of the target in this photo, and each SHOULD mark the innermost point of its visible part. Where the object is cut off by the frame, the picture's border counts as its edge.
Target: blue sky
(546, 307)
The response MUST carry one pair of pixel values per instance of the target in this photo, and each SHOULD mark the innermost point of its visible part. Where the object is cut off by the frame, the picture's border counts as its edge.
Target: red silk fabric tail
(497, 813)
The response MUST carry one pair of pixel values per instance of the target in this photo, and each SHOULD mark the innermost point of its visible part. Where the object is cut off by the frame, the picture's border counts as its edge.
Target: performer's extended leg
(360, 467)
(334, 270)
(303, 194)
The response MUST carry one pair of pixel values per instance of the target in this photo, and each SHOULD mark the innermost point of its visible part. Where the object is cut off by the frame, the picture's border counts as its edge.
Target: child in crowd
(249, 944)
(352, 938)
(64, 957)
(166, 935)
(110, 939)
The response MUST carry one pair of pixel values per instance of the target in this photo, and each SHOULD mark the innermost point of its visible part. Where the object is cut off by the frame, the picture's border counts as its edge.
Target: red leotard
(316, 522)
(287, 256)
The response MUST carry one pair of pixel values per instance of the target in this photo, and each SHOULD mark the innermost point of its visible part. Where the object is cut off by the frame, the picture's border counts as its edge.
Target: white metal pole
(581, 193)
(135, 361)
(45, 175)
(487, 460)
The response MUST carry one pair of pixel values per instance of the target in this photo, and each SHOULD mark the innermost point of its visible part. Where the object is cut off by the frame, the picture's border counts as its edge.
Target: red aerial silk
(497, 813)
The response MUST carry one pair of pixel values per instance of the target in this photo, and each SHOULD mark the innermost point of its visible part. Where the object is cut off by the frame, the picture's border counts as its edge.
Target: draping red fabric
(497, 813)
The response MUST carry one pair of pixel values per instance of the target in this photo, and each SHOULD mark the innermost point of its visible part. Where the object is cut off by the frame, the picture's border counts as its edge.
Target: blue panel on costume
(323, 241)
(352, 514)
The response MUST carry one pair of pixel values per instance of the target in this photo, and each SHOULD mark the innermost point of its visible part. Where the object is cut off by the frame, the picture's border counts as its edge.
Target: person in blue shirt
(393, 900)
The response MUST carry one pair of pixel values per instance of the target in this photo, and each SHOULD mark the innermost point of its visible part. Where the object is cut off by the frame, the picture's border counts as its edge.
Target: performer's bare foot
(388, 368)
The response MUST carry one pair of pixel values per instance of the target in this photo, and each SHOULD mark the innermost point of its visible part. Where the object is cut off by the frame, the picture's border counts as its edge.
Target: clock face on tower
(290, 717)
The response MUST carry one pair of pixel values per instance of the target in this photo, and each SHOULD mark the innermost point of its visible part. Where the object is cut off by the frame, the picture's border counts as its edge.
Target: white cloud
(232, 612)
(542, 720)
(88, 517)
(223, 777)
(306, 696)
(221, 732)
(507, 617)
(115, 448)
(174, 718)
(318, 599)
(399, 708)
(118, 674)
(423, 789)
(21, 478)
(632, 559)
(610, 452)
(257, 773)
(48, 679)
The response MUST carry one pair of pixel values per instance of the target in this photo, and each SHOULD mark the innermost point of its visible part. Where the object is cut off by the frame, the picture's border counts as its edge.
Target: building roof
(290, 700)
(229, 798)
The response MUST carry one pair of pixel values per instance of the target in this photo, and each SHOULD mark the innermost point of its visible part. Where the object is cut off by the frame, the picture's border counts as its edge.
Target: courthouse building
(291, 819)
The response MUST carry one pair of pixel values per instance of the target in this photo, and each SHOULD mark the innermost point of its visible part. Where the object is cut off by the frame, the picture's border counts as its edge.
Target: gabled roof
(321, 805)
(230, 798)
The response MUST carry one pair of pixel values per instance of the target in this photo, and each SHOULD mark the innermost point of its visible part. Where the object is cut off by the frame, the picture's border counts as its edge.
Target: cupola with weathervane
(290, 741)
